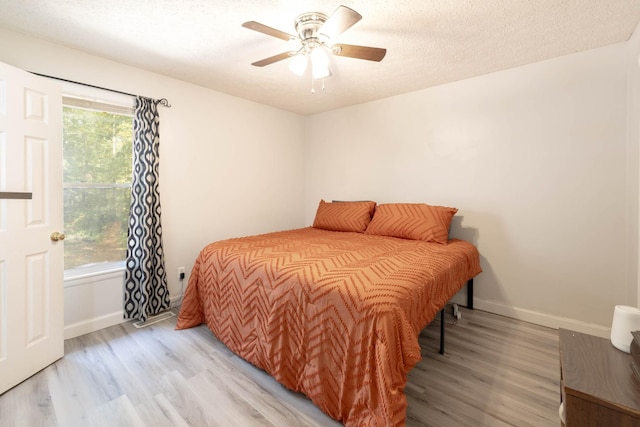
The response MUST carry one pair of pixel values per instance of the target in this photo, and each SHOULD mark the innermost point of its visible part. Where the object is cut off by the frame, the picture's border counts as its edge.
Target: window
(97, 151)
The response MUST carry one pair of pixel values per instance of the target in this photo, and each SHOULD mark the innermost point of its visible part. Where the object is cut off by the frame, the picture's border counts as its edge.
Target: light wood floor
(496, 372)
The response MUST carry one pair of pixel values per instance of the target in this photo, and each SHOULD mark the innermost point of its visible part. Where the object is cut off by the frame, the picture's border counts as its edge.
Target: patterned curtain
(145, 286)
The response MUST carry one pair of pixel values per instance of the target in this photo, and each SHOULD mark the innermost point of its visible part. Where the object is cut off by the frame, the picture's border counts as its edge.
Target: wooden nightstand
(597, 385)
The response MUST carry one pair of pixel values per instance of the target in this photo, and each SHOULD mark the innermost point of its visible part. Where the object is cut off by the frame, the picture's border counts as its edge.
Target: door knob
(55, 236)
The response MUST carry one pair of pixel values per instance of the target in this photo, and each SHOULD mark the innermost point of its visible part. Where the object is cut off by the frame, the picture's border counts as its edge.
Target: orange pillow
(344, 216)
(416, 221)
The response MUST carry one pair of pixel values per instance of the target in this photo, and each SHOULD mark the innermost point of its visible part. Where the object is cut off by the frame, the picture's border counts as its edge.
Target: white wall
(535, 159)
(94, 302)
(541, 160)
(228, 166)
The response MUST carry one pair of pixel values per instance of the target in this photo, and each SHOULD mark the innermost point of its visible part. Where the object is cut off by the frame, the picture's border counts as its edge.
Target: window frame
(78, 96)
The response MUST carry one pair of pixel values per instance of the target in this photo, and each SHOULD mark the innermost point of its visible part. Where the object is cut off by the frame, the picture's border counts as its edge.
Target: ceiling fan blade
(261, 28)
(339, 22)
(360, 52)
(272, 59)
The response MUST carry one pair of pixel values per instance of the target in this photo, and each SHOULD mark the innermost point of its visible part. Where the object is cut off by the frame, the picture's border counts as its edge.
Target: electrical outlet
(181, 273)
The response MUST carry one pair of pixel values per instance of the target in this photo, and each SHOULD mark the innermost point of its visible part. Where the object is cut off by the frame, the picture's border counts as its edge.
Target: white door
(31, 264)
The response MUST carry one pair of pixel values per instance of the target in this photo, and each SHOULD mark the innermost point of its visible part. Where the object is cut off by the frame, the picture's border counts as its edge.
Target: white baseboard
(93, 324)
(538, 318)
(104, 321)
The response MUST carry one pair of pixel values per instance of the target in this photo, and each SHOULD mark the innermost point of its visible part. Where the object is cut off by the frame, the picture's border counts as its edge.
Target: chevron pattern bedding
(334, 315)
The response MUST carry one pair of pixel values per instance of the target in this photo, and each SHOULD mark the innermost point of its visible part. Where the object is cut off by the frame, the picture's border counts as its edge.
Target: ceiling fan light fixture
(321, 72)
(298, 64)
(320, 63)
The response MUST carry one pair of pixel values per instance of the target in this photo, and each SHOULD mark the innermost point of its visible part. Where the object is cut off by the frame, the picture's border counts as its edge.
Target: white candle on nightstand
(625, 320)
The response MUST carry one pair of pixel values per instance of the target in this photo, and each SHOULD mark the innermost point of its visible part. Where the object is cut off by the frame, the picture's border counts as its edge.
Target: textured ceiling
(428, 42)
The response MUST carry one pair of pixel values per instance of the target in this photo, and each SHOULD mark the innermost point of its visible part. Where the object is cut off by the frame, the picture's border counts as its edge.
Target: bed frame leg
(442, 331)
(469, 306)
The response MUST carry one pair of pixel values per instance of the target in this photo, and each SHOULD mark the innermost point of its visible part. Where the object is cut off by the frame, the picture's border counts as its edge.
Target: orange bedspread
(334, 315)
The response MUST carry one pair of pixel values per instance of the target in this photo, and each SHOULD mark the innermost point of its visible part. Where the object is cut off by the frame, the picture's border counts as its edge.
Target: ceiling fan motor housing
(307, 26)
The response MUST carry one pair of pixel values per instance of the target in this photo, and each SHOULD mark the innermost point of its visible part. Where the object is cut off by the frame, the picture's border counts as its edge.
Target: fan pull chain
(313, 85)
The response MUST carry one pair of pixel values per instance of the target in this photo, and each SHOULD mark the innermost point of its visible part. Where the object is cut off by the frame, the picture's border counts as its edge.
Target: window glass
(97, 150)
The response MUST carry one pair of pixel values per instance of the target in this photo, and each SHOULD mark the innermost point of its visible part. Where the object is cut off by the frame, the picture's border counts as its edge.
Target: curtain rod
(161, 101)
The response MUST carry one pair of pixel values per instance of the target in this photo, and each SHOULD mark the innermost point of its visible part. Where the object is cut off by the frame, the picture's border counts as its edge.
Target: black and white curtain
(145, 286)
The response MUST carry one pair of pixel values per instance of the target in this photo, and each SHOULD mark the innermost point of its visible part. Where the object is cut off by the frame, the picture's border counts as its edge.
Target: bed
(333, 314)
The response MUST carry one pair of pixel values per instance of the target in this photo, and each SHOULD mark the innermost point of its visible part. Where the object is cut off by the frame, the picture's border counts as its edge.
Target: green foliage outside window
(97, 185)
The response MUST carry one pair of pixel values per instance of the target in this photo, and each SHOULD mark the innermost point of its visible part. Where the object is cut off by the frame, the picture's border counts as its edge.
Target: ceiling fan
(315, 33)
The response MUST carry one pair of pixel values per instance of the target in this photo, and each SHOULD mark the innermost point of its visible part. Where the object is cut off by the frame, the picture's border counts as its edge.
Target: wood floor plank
(159, 412)
(236, 383)
(237, 410)
(196, 410)
(117, 412)
(72, 390)
(307, 413)
(144, 369)
(495, 372)
(33, 394)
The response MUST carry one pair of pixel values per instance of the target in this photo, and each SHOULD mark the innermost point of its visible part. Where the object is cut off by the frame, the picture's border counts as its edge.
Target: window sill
(94, 273)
